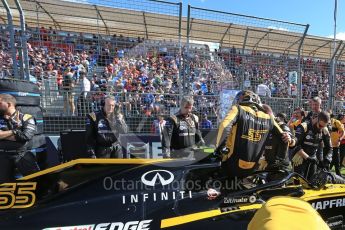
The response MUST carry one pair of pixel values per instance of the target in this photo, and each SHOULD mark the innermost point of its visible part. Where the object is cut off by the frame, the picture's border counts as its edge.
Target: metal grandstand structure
(158, 20)
(242, 43)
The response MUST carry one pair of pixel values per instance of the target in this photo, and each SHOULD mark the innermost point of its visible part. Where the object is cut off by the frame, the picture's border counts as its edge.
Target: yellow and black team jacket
(309, 139)
(337, 130)
(243, 133)
(24, 128)
(276, 151)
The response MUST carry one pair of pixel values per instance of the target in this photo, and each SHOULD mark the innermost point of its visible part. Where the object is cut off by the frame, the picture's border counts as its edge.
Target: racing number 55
(17, 195)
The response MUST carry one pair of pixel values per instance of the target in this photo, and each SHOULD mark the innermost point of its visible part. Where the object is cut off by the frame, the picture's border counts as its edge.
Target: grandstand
(145, 54)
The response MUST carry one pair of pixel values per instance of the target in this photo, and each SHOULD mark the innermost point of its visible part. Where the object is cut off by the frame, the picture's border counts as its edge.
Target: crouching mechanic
(242, 135)
(310, 136)
(103, 129)
(16, 133)
(181, 132)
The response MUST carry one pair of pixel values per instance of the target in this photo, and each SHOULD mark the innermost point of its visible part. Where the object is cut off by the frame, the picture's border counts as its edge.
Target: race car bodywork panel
(123, 194)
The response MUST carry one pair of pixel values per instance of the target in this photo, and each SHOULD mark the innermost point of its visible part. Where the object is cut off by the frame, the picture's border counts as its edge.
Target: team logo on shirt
(183, 125)
(101, 124)
(254, 135)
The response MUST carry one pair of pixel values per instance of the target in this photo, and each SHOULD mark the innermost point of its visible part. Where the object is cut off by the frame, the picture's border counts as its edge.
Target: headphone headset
(103, 102)
(106, 97)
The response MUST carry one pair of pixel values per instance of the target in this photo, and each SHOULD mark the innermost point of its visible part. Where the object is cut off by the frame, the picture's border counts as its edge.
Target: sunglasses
(320, 125)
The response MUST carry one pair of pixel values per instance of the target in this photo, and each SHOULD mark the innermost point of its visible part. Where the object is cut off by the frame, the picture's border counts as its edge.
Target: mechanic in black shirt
(181, 132)
(243, 133)
(16, 133)
(310, 135)
(241, 138)
(103, 129)
(275, 154)
(315, 105)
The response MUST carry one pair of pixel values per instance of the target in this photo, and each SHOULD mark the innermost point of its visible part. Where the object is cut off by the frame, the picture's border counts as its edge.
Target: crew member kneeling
(16, 133)
(102, 131)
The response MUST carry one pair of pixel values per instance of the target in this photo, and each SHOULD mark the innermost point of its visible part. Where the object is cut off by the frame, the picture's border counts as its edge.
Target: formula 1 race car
(128, 194)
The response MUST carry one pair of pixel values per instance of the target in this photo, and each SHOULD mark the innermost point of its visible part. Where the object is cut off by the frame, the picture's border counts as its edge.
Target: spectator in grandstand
(158, 105)
(6, 63)
(86, 84)
(263, 90)
(292, 90)
(68, 94)
(135, 104)
(209, 90)
(107, 73)
(157, 126)
(148, 97)
(103, 129)
(44, 34)
(80, 68)
(205, 123)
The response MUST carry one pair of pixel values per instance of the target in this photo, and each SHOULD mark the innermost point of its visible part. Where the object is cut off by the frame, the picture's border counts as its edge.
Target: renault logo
(154, 177)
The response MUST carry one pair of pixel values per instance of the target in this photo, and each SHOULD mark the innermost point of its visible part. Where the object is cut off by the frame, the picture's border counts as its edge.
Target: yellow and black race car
(135, 194)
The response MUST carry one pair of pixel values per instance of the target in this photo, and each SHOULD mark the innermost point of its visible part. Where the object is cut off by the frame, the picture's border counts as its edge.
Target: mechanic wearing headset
(103, 129)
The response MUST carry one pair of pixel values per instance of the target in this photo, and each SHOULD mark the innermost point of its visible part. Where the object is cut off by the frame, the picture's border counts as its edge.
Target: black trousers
(306, 169)
(25, 163)
(336, 160)
(342, 154)
(182, 153)
(7, 168)
(114, 151)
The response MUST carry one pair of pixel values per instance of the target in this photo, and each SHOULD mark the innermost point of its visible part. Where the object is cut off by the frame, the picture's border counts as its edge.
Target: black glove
(91, 153)
(278, 164)
(311, 160)
(325, 164)
(220, 151)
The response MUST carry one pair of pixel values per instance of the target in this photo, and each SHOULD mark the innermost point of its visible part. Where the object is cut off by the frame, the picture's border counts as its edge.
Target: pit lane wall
(63, 147)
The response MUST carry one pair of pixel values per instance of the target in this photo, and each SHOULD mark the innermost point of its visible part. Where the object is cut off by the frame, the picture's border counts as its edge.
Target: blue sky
(317, 13)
